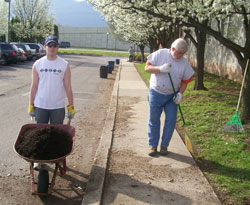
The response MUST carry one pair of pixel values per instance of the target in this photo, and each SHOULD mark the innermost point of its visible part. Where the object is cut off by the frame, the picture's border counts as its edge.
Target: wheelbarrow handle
(69, 121)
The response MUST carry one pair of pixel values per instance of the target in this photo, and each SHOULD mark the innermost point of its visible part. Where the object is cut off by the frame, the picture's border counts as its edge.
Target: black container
(117, 61)
(110, 68)
(103, 71)
(112, 64)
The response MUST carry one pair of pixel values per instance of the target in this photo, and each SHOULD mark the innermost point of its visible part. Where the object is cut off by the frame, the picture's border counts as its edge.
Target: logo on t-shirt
(49, 70)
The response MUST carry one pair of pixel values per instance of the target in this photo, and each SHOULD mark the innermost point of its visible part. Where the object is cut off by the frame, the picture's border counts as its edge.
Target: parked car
(26, 49)
(19, 54)
(39, 49)
(1, 57)
(23, 57)
(64, 44)
(42, 50)
(8, 53)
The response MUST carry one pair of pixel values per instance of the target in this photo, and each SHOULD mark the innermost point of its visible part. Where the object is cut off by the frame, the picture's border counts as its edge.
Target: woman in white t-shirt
(161, 94)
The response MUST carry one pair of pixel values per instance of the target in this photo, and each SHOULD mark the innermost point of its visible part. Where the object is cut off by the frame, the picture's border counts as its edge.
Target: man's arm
(34, 85)
(67, 85)
(149, 68)
(178, 97)
(165, 68)
(183, 87)
(184, 84)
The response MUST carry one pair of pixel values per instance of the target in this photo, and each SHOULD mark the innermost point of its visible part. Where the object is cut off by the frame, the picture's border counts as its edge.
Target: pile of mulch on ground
(44, 143)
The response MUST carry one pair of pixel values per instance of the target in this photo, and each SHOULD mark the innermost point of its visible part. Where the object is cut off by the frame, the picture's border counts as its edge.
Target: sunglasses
(52, 45)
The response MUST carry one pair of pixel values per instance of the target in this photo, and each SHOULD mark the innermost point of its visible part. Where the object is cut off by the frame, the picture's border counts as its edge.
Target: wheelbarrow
(44, 187)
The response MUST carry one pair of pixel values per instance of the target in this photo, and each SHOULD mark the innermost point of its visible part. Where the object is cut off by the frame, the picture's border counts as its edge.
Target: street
(91, 100)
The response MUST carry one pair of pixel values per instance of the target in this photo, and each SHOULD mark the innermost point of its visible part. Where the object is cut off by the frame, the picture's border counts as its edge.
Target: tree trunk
(200, 53)
(200, 46)
(142, 52)
(245, 113)
(168, 36)
(152, 44)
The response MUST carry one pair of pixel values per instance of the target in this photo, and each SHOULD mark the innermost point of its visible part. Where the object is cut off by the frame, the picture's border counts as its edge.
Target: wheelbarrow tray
(44, 187)
(67, 128)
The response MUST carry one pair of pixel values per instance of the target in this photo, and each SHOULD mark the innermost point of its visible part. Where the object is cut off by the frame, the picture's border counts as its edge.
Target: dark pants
(131, 58)
(55, 116)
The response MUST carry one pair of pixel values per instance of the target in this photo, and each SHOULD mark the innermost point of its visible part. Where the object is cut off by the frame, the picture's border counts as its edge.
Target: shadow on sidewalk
(127, 190)
(124, 189)
(180, 158)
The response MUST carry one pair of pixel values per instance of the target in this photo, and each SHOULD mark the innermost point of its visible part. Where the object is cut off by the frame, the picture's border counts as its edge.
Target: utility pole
(107, 40)
(8, 31)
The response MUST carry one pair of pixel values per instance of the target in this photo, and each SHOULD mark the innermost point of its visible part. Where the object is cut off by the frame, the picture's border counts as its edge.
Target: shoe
(163, 151)
(37, 166)
(152, 151)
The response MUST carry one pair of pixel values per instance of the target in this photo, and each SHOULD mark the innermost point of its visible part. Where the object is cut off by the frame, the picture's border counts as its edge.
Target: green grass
(145, 75)
(93, 52)
(223, 158)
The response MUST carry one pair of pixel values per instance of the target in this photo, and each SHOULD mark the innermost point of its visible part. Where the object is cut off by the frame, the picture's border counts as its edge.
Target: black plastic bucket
(117, 61)
(110, 68)
(103, 71)
(112, 64)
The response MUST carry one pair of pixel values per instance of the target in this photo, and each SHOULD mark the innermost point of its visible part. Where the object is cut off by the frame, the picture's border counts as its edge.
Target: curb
(94, 189)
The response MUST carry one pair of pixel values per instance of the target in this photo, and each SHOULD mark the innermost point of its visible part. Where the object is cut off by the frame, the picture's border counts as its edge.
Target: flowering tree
(32, 19)
(125, 23)
(3, 18)
(162, 32)
(207, 17)
(194, 13)
(136, 26)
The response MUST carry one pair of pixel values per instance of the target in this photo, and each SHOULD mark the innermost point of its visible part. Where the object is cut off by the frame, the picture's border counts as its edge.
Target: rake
(234, 124)
(187, 139)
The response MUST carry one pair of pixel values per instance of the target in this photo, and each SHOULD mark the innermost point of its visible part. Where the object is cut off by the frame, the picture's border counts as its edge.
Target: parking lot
(91, 99)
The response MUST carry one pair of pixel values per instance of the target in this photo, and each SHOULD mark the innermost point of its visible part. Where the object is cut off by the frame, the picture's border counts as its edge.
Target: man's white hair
(180, 44)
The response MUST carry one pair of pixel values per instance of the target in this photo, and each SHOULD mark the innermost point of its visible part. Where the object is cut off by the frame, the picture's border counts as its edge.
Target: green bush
(138, 57)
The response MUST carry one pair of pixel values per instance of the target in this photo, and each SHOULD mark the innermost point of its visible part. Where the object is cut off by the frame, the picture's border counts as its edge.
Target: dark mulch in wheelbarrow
(44, 143)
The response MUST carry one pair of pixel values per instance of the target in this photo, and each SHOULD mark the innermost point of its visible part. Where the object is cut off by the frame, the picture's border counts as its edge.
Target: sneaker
(164, 151)
(152, 151)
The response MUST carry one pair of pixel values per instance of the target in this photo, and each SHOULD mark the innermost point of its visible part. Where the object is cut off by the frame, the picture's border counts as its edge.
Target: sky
(77, 13)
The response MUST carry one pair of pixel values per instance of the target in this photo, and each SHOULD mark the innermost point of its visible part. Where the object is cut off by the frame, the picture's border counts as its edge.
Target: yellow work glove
(71, 111)
(31, 110)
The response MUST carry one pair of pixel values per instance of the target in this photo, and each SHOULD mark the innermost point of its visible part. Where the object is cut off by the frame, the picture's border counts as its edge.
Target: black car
(64, 44)
(8, 53)
(1, 57)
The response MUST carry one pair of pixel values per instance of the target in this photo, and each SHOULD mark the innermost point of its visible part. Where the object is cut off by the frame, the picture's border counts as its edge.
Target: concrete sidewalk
(123, 173)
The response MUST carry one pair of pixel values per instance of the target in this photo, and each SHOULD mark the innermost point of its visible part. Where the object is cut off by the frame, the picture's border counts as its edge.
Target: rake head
(234, 125)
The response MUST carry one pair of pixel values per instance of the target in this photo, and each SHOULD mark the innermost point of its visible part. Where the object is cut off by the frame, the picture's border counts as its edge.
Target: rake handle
(171, 81)
(242, 84)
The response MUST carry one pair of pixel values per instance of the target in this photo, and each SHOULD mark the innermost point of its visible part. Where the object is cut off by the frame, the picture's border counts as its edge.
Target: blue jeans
(54, 116)
(157, 103)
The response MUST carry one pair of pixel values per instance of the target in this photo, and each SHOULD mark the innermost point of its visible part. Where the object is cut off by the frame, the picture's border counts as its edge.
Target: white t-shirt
(131, 51)
(180, 70)
(50, 92)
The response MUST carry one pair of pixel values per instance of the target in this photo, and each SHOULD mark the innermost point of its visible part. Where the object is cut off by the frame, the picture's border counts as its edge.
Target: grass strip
(76, 51)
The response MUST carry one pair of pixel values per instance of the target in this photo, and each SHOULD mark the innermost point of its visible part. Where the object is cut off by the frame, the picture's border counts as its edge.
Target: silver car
(40, 50)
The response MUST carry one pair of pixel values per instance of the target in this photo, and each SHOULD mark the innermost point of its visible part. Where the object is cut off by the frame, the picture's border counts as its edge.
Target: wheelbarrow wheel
(43, 181)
